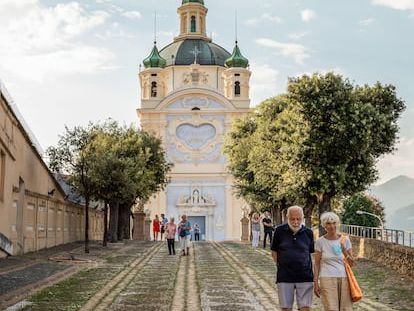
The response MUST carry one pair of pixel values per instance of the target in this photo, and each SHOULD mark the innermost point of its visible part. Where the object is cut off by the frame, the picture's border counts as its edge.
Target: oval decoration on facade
(196, 137)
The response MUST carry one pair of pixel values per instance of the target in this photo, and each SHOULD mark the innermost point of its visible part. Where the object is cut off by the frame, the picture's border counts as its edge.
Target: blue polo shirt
(294, 263)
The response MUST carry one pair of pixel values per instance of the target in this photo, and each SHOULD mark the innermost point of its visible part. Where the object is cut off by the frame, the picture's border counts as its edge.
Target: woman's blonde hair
(329, 217)
(255, 216)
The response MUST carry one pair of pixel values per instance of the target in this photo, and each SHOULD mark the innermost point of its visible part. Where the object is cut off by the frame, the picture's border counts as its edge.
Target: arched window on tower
(154, 89)
(193, 24)
(237, 88)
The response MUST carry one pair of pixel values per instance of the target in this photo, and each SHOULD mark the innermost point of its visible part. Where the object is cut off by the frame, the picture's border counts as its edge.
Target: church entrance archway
(201, 221)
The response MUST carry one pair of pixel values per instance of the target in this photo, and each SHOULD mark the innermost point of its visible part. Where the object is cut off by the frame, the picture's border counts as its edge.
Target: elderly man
(292, 246)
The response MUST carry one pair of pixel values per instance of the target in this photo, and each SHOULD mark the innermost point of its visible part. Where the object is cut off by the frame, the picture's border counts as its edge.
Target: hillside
(397, 195)
(402, 219)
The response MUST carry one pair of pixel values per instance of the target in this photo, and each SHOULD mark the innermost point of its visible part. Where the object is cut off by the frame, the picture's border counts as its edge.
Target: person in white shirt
(330, 280)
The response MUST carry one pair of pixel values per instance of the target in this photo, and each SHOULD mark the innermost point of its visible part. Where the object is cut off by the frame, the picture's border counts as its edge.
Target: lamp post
(376, 216)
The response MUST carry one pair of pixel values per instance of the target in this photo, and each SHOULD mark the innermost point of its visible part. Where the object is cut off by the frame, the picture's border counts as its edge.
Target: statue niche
(196, 200)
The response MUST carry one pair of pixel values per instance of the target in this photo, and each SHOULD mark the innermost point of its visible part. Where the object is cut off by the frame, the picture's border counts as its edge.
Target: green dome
(237, 59)
(154, 59)
(182, 53)
(194, 1)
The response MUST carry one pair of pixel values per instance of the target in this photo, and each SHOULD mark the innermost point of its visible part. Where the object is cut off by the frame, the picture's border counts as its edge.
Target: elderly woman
(330, 250)
(255, 230)
(171, 230)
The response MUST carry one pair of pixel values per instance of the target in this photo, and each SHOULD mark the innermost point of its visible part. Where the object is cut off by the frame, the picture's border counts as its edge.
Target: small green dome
(154, 59)
(237, 59)
(194, 1)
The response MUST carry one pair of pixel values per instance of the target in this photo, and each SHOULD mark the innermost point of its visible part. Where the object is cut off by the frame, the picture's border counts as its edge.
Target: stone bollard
(147, 232)
(245, 229)
(139, 226)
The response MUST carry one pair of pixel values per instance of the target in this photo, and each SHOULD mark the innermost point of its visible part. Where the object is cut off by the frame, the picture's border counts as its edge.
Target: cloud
(298, 35)
(264, 82)
(74, 60)
(366, 22)
(165, 33)
(307, 15)
(264, 17)
(38, 40)
(291, 50)
(322, 71)
(18, 4)
(395, 4)
(132, 14)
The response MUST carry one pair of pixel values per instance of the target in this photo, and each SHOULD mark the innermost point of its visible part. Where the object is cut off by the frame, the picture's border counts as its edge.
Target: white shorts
(185, 242)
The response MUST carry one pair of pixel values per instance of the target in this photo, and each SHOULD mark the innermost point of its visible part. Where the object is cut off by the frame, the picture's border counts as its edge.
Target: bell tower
(192, 20)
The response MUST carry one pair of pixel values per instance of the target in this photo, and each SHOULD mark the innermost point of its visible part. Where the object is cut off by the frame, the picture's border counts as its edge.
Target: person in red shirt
(156, 227)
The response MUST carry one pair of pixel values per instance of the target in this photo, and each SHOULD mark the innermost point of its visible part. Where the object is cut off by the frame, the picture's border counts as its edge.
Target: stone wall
(397, 257)
(46, 222)
(35, 212)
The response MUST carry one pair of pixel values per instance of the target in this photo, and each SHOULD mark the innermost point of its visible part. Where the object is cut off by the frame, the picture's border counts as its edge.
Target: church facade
(191, 91)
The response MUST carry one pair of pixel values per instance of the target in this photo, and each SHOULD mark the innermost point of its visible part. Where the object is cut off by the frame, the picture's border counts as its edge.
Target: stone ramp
(223, 276)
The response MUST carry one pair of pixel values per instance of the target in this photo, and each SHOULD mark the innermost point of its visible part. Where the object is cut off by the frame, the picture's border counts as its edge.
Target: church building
(191, 91)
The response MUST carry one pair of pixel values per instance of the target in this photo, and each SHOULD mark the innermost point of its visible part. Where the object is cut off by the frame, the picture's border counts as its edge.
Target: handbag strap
(342, 242)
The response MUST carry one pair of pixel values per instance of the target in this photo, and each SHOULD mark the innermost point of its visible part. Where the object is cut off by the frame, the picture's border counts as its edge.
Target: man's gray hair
(329, 217)
(295, 208)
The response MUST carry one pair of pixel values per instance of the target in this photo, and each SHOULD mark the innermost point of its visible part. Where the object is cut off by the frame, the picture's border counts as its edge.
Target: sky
(71, 62)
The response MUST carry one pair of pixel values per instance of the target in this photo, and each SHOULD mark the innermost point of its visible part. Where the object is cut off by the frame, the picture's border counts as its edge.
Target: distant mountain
(402, 219)
(397, 196)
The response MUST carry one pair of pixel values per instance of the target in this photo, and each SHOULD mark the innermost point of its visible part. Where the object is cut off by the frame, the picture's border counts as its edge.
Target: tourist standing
(164, 222)
(255, 230)
(292, 246)
(170, 231)
(156, 227)
(267, 228)
(196, 232)
(330, 250)
(184, 228)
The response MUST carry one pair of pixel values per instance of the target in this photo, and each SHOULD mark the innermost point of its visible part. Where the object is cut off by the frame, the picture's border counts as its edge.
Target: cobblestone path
(259, 260)
(226, 276)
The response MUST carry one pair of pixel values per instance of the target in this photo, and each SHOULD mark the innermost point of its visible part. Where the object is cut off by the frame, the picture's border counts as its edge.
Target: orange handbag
(356, 292)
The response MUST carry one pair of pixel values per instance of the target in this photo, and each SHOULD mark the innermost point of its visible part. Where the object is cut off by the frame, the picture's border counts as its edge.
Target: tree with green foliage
(362, 202)
(349, 128)
(129, 165)
(319, 140)
(113, 164)
(70, 158)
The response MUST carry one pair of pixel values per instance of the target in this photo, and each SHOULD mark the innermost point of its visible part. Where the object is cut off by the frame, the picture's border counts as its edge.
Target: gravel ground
(224, 276)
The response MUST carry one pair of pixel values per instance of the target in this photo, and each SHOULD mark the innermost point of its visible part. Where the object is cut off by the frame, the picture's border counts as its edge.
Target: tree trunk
(324, 205)
(113, 222)
(124, 222)
(278, 216)
(283, 209)
(86, 224)
(105, 233)
(277, 220)
(124, 225)
(308, 209)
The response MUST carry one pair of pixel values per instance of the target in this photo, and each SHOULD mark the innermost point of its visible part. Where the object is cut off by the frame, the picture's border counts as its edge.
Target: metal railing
(401, 237)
